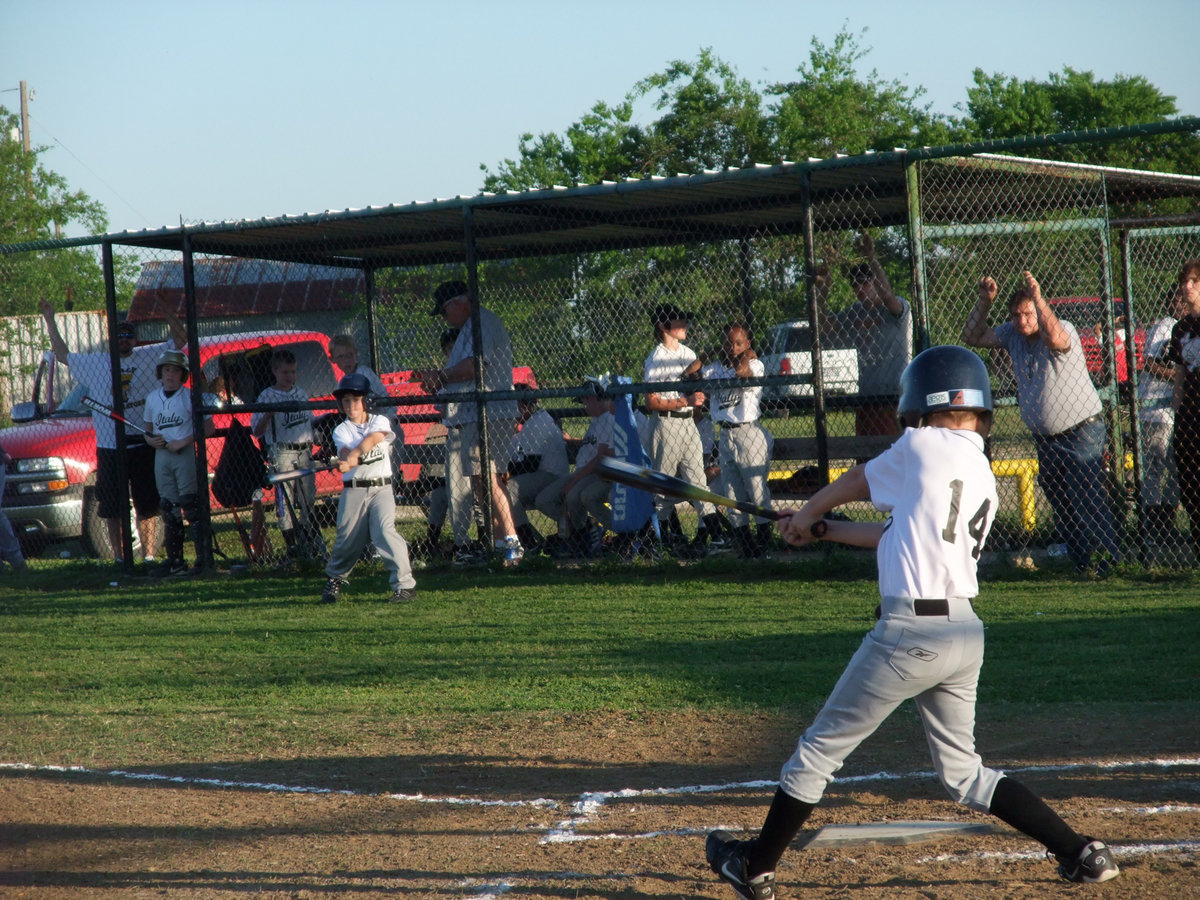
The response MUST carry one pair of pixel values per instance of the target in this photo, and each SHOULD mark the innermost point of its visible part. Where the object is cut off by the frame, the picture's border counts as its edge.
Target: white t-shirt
(600, 431)
(939, 486)
(1154, 394)
(171, 416)
(138, 379)
(376, 462)
(541, 436)
(291, 427)
(668, 365)
(734, 405)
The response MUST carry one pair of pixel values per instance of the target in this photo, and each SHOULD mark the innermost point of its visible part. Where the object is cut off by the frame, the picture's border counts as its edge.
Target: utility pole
(24, 116)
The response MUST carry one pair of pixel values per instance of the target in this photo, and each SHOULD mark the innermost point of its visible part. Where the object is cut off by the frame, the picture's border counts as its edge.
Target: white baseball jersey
(291, 427)
(169, 416)
(734, 405)
(600, 431)
(541, 436)
(376, 462)
(667, 365)
(943, 476)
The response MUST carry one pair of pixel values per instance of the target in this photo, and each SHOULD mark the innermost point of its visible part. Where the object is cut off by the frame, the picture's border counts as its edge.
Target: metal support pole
(814, 324)
(745, 263)
(204, 532)
(372, 330)
(916, 246)
(118, 403)
(1135, 424)
(485, 457)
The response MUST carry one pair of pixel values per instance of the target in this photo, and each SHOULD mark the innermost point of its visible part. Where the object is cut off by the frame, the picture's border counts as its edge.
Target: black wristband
(818, 529)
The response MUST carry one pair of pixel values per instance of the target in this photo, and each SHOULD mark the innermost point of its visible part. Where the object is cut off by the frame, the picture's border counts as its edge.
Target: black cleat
(727, 858)
(402, 595)
(333, 587)
(1093, 865)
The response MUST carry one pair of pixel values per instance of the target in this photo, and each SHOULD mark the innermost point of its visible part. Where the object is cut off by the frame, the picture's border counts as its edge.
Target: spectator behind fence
(576, 499)
(438, 502)
(537, 458)
(168, 418)
(744, 447)
(880, 325)
(1160, 489)
(10, 547)
(452, 301)
(1060, 406)
(674, 444)
(289, 436)
(94, 371)
(1184, 354)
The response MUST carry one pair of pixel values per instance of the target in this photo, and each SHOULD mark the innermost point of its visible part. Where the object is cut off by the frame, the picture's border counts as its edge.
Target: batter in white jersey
(937, 485)
(367, 507)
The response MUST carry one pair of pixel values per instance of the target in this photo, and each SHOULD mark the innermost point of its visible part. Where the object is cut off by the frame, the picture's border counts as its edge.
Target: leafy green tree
(831, 108)
(1001, 106)
(36, 204)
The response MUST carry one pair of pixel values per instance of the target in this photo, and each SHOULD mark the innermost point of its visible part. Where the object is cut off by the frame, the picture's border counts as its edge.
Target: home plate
(899, 832)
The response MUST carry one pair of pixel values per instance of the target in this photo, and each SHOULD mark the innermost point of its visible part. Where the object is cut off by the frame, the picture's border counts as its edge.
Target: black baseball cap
(668, 312)
(446, 291)
(126, 329)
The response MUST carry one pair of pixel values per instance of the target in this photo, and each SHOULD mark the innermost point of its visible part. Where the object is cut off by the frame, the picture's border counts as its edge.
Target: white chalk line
(591, 804)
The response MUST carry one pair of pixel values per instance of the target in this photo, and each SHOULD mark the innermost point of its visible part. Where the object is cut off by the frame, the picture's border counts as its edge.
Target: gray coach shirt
(1054, 390)
(497, 359)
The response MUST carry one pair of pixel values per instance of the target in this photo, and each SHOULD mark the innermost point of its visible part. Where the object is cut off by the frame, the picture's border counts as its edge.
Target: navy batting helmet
(354, 383)
(946, 377)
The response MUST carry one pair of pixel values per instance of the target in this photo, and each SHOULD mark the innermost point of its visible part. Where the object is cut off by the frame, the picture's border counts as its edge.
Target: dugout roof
(867, 190)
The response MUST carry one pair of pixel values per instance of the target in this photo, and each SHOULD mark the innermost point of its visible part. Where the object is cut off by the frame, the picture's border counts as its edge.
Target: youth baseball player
(367, 507)
(289, 435)
(937, 485)
(674, 441)
(168, 417)
(744, 446)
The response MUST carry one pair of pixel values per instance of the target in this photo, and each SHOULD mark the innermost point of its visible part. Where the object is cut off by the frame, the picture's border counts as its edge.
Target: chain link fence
(834, 273)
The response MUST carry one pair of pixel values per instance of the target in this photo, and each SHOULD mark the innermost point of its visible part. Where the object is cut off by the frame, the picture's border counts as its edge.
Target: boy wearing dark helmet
(937, 485)
(367, 507)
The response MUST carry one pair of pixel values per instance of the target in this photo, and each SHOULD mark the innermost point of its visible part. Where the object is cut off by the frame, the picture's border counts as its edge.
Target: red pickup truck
(49, 494)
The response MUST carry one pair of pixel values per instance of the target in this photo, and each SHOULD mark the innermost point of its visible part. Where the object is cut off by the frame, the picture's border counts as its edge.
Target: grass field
(648, 673)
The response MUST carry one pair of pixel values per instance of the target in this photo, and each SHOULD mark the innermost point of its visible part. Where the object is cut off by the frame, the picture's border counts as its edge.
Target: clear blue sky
(229, 110)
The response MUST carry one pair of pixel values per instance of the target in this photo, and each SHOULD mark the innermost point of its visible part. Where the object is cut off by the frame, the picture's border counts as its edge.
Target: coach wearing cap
(452, 301)
(138, 379)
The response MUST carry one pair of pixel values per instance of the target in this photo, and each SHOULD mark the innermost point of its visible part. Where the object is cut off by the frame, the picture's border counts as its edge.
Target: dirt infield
(596, 806)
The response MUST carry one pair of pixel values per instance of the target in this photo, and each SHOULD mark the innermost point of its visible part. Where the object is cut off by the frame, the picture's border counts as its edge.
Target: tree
(832, 109)
(35, 205)
(1001, 106)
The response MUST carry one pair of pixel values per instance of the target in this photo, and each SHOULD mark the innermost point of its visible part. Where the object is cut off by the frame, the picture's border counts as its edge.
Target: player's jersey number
(976, 525)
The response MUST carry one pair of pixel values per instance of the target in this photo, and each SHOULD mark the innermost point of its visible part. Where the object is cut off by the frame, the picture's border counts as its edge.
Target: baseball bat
(645, 479)
(293, 474)
(97, 406)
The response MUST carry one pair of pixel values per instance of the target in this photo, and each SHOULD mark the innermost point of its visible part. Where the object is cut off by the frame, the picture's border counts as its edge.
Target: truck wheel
(95, 532)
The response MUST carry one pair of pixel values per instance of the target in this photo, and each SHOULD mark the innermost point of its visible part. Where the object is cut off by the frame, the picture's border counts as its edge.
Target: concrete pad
(899, 832)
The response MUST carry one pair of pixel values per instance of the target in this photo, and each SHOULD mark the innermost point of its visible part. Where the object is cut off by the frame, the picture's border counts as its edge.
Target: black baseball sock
(784, 820)
(1025, 811)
